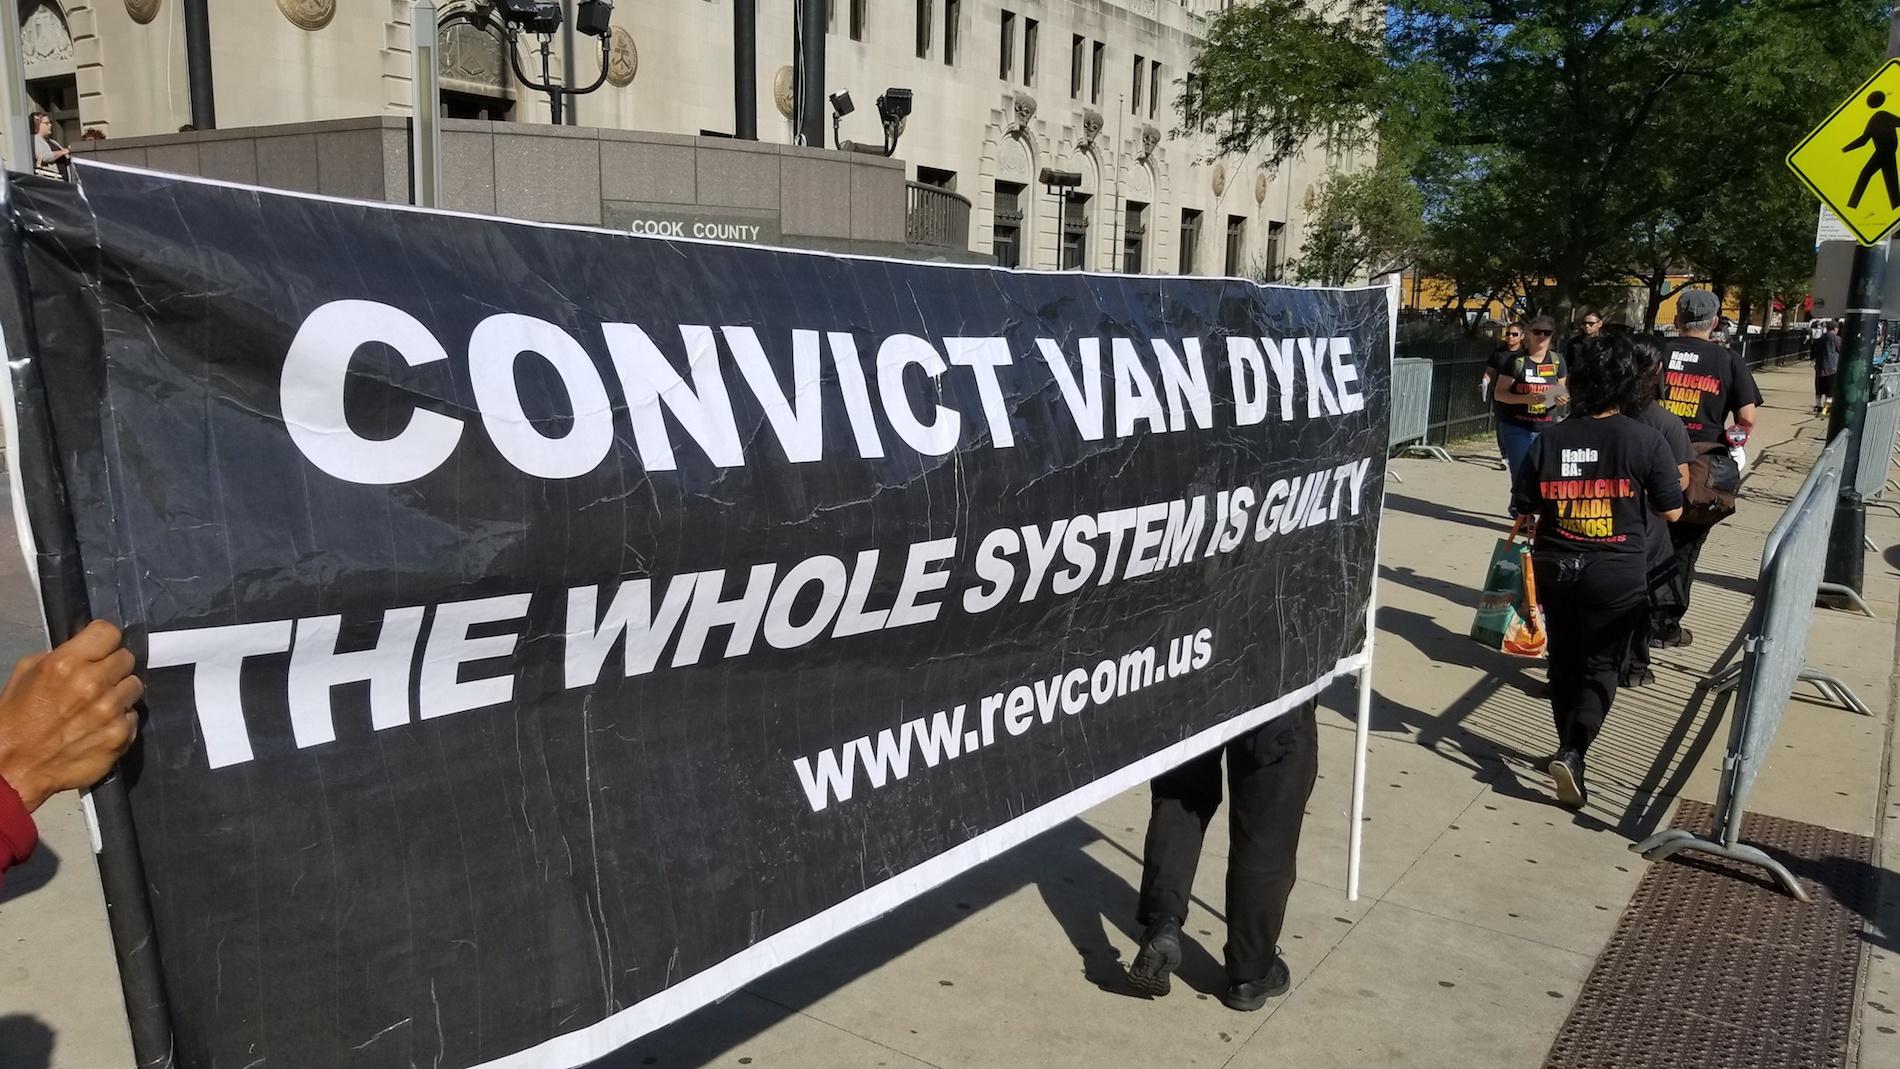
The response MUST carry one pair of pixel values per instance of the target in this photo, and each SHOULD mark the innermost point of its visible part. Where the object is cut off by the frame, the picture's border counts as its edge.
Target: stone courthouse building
(1002, 89)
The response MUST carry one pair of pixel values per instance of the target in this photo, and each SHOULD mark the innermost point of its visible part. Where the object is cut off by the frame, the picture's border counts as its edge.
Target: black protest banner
(549, 630)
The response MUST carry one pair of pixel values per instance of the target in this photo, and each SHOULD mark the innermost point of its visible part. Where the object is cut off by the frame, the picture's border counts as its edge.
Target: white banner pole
(1362, 726)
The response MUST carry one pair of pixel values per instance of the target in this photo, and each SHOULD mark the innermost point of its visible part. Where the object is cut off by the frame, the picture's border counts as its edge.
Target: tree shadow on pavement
(1434, 510)
(25, 1042)
(1081, 892)
(1657, 777)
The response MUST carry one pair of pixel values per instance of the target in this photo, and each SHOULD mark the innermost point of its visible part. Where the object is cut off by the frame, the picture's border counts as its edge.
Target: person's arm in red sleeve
(18, 836)
(65, 717)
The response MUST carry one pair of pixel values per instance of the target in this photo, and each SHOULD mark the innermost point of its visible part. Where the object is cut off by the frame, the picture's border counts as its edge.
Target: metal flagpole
(1362, 726)
(425, 124)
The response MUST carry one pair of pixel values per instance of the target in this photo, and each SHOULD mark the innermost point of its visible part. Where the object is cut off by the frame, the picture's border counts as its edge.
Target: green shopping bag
(1509, 619)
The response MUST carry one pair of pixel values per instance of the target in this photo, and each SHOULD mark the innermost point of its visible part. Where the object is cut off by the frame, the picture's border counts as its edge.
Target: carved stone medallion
(623, 59)
(782, 92)
(308, 14)
(1012, 159)
(1220, 179)
(142, 11)
(1260, 188)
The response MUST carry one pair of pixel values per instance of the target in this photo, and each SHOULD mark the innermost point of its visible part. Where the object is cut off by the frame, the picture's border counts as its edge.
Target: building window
(459, 105)
(1099, 58)
(1007, 231)
(923, 29)
(1134, 91)
(1190, 239)
(1006, 60)
(1075, 67)
(952, 15)
(937, 176)
(1075, 231)
(1032, 34)
(1134, 236)
(857, 20)
(1276, 233)
(1236, 243)
(1154, 88)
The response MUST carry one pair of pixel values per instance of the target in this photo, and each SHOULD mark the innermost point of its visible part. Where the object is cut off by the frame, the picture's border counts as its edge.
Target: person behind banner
(1661, 558)
(1589, 482)
(1528, 393)
(50, 158)
(1704, 384)
(65, 717)
(1270, 774)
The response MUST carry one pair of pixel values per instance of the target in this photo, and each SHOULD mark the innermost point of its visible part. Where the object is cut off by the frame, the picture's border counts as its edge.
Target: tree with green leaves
(1587, 143)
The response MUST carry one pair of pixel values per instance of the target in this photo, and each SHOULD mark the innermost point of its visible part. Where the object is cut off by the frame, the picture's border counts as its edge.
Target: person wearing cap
(1707, 386)
(1527, 395)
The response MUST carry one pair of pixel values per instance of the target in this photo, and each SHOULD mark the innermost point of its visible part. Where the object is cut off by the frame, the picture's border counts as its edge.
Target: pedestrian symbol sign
(1852, 160)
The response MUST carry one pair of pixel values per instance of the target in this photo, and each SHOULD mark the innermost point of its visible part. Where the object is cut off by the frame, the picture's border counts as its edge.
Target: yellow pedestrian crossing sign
(1852, 160)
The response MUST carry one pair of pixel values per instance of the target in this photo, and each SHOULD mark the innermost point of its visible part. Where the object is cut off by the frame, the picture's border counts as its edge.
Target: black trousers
(1593, 609)
(1687, 539)
(1270, 772)
(1661, 587)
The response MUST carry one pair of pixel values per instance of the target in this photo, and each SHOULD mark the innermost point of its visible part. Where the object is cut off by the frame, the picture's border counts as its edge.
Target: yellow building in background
(1428, 294)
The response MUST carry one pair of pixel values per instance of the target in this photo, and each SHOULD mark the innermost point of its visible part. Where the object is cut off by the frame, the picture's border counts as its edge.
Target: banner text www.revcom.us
(886, 757)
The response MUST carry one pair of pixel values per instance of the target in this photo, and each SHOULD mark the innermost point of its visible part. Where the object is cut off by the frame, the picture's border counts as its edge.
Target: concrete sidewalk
(1483, 906)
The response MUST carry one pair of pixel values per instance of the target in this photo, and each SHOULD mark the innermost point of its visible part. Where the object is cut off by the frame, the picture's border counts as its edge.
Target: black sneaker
(1641, 677)
(1250, 995)
(1567, 773)
(1157, 958)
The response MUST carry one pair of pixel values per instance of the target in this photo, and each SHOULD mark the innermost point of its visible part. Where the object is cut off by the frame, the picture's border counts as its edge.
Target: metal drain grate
(1712, 966)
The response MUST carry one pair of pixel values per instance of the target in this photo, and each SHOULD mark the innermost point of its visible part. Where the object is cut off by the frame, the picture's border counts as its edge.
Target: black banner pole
(63, 594)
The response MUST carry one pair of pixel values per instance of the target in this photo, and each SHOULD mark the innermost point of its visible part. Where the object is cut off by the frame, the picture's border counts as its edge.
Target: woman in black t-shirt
(1589, 481)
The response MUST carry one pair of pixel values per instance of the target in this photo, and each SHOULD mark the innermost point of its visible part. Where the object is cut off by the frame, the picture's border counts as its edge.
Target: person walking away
(1652, 354)
(1589, 480)
(50, 158)
(1704, 385)
(1592, 327)
(1528, 392)
(1270, 774)
(1826, 352)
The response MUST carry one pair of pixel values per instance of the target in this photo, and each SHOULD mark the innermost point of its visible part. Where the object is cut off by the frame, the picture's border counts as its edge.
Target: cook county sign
(741, 225)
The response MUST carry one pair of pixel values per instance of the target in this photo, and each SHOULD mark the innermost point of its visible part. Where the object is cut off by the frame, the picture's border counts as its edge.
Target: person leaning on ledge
(65, 717)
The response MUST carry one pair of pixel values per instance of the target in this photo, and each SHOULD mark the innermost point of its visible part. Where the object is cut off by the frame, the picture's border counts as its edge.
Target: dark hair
(1544, 323)
(33, 121)
(1610, 373)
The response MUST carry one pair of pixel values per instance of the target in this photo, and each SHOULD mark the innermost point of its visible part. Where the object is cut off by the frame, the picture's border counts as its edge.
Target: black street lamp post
(510, 19)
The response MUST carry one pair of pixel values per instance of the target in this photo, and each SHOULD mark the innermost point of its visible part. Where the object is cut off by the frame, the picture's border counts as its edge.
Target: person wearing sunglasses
(1592, 327)
(1501, 356)
(1528, 393)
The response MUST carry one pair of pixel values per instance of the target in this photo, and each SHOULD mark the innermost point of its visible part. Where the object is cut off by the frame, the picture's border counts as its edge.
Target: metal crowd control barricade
(1876, 450)
(1774, 657)
(1412, 411)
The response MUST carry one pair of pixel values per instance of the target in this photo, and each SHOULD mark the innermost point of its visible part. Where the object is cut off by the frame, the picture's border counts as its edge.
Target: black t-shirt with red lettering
(1592, 482)
(1537, 375)
(1703, 383)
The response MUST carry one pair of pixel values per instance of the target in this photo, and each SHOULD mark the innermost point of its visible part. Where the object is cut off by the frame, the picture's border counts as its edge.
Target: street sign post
(1852, 159)
(1852, 162)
